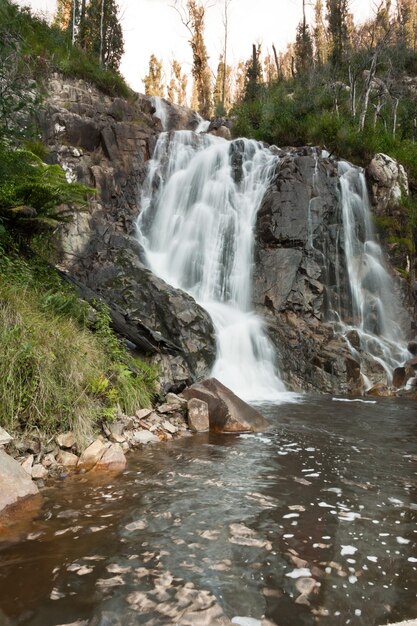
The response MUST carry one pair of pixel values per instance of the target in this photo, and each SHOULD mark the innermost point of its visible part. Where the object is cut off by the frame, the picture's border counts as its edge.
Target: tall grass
(55, 373)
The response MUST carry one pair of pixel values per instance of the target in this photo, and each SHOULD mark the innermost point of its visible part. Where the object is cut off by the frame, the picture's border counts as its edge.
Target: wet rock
(353, 337)
(144, 437)
(5, 438)
(198, 415)
(39, 472)
(15, 482)
(412, 347)
(66, 440)
(227, 412)
(113, 459)
(380, 390)
(91, 455)
(412, 363)
(221, 131)
(67, 459)
(401, 375)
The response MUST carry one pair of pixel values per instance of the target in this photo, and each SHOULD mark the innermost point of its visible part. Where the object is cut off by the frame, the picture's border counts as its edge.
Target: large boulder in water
(15, 482)
(227, 412)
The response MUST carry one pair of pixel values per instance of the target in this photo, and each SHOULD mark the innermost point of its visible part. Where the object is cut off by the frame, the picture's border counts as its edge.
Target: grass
(44, 49)
(55, 373)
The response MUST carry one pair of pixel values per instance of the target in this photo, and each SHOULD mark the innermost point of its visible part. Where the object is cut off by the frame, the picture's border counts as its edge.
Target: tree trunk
(394, 123)
(101, 60)
(368, 84)
(277, 63)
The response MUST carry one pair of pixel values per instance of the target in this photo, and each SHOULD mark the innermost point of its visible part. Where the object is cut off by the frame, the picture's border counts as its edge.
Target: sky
(154, 27)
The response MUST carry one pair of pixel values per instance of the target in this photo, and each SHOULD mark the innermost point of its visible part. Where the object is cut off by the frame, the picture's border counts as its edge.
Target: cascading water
(374, 309)
(196, 226)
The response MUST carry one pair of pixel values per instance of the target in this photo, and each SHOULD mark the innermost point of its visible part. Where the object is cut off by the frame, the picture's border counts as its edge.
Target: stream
(312, 522)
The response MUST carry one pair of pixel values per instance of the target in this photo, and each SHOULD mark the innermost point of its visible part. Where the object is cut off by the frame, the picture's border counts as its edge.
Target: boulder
(198, 415)
(91, 455)
(388, 182)
(113, 459)
(39, 472)
(412, 347)
(380, 390)
(5, 438)
(15, 482)
(144, 437)
(66, 440)
(67, 459)
(401, 375)
(227, 412)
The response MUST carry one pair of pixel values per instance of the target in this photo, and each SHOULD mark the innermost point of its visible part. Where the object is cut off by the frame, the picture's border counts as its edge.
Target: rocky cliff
(105, 143)
(299, 256)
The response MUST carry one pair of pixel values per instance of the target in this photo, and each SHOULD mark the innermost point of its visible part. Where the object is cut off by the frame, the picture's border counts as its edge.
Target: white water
(375, 309)
(161, 110)
(196, 227)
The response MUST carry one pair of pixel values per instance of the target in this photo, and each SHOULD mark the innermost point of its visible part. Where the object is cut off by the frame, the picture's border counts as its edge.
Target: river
(312, 522)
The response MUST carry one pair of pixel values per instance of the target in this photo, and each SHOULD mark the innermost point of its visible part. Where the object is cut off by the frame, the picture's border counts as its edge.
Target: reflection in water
(312, 522)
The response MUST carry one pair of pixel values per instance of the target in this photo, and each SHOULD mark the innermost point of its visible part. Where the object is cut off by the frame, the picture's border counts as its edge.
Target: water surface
(326, 502)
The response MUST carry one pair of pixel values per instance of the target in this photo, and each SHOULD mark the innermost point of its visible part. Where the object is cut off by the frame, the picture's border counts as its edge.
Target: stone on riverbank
(227, 412)
(198, 415)
(113, 459)
(5, 438)
(15, 482)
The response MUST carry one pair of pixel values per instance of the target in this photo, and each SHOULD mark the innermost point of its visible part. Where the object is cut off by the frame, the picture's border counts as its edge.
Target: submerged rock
(15, 482)
(227, 412)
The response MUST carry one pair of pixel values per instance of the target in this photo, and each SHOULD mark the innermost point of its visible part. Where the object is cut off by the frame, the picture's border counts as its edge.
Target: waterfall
(161, 110)
(199, 206)
(375, 312)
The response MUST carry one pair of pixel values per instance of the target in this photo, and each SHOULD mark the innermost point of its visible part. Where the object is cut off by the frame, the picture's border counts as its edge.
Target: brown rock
(168, 408)
(412, 363)
(412, 347)
(380, 390)
(198, 415)
(15, 482)
(66, 440)
(27, 464)
(67, 459)
(227, 412)
(143, 413)
(91, 455)
(113, 459)
(49, 460)
(5, 438)
(39, 471)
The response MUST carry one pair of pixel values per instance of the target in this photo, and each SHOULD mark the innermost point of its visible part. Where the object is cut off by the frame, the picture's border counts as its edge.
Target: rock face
(227, 413)
(105, 143)
(388, 182)
(15, 483)
(298, 232)
(299, 253)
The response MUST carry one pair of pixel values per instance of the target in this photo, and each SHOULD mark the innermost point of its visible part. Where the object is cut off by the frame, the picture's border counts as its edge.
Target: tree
(319, 34)
(177, 88)
(103, 32)
(225, 41)
(407, 23)
(193, 18)
(303, 46)
(253, 75)
(153, 80)
(338, 29)
(222, 88)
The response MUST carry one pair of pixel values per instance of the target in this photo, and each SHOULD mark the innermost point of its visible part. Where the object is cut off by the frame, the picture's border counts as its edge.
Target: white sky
(152, 26)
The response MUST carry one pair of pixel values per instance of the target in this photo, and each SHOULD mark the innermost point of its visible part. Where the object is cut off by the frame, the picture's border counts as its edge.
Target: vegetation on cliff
(61, 365)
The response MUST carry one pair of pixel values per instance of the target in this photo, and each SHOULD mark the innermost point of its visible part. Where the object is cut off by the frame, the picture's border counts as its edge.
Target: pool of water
(313, 522)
